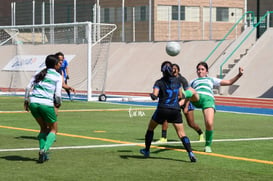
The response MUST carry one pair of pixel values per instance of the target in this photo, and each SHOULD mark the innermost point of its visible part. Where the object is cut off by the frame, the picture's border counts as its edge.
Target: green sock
(209, 137)
(188, 94)
(42, 140)
(49, 140)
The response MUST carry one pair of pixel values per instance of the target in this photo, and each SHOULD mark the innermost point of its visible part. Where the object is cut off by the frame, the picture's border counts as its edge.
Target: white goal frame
(94, 36)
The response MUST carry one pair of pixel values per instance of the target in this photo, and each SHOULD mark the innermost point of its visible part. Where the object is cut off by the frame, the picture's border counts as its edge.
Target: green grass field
(99, 141)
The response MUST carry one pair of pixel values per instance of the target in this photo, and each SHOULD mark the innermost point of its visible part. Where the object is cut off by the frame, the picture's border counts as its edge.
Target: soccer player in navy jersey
(168, 91)
(64, 74)
(188, 110)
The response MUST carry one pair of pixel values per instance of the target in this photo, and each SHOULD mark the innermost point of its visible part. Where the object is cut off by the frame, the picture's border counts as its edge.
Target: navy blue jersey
(168, 92)
(183, 81)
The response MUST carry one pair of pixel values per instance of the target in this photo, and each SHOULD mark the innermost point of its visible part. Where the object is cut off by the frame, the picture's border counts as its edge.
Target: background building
(198, 26)
(141, 20)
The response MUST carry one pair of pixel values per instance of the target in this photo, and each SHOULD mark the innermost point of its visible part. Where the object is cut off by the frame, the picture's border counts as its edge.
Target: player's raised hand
(241, 71)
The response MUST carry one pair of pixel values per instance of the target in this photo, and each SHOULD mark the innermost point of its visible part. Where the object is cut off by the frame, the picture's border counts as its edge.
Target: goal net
(85, 46)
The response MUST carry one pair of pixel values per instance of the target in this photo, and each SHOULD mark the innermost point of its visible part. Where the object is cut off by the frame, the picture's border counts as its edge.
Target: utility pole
(258, 19)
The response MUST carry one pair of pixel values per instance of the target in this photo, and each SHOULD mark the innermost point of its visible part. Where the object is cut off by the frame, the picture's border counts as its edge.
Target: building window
(192, 14)
(127, 15)
(143, 13)
(175, 12)
(222, 14)
(107, 15)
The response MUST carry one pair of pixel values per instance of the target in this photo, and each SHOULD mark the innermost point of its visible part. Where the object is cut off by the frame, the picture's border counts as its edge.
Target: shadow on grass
(18, 158)
(151, 157)
(143, 139)
(168, 148)
(125, 151)
(27, 137)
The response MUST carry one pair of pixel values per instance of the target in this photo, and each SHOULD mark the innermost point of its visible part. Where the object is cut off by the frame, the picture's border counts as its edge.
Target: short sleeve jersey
(63, 68)
(204, 85)
(168, 92)
(183, 81)
(45, 90)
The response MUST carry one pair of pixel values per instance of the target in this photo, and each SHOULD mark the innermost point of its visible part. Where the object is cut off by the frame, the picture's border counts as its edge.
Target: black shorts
(171, 115)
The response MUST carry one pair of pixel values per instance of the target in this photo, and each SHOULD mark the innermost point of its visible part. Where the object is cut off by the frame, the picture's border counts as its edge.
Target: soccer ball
(173, 48)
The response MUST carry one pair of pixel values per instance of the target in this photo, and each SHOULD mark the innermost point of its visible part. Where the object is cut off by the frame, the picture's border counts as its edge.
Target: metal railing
(252, 15)
(262, 19)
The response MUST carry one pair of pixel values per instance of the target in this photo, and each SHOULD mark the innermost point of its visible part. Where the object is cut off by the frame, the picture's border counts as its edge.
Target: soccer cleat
(192, 157)
(208, 149)
(42, 156)
(145, 153)
(46, 156)
(201, 137)
(162, 140)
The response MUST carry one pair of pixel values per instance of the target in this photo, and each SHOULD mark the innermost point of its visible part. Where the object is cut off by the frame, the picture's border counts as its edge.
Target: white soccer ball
(173, 48)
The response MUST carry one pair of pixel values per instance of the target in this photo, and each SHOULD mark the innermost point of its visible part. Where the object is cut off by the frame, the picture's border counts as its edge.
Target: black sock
(164, 134)
(199, 131)
(186, 142)
(148, 139)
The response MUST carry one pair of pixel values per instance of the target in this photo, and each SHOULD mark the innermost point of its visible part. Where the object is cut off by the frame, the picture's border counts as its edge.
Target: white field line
(93, 110)
(132, 144)
(230, 140)
(146, 107)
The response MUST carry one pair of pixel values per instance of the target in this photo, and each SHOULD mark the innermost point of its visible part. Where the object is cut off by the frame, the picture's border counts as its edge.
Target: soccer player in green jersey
(46, 89)
(201, 96)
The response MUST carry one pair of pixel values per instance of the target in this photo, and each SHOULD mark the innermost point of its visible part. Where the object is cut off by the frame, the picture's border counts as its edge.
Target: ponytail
(40, 76)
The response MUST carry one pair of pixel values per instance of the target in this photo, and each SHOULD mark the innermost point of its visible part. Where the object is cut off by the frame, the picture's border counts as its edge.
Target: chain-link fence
(141, 20)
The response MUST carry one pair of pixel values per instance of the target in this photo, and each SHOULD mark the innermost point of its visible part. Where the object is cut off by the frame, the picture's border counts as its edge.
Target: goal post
(84, 44)
(7, 35)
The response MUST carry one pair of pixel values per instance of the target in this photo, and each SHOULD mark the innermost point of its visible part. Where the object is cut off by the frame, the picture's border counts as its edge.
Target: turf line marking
(69, 147)
(227, 140)
(222, 156)
(125, 143)
(8, 112)
(128, 109)
(100, 110)
(21, 129)
(87, 110)
(130, 144)
(69, 135)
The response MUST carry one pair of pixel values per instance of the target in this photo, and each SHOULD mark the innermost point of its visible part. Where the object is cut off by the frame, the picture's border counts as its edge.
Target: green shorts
(43, 111)
(205, 102)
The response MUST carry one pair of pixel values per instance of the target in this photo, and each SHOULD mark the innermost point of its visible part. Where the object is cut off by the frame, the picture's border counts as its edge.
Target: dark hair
(166, 69)
(59, 54)
(50, 62)
(204, 64)
(177, 66)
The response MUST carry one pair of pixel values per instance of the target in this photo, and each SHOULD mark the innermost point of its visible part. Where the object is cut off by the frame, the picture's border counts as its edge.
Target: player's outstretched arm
(234, 79)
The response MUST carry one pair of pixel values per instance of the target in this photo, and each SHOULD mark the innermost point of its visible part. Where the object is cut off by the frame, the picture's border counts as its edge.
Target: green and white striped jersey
(44, 91)
(204, 85)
